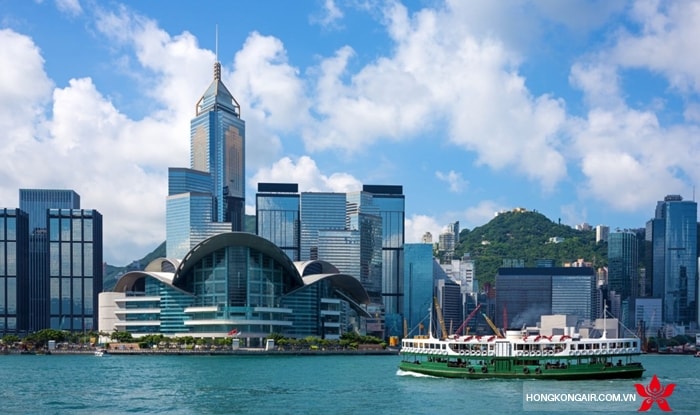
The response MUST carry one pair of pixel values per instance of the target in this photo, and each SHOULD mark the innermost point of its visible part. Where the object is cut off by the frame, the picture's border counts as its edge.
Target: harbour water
(271, 384)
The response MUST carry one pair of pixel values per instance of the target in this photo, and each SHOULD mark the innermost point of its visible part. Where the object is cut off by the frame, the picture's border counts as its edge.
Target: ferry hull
(594, 372)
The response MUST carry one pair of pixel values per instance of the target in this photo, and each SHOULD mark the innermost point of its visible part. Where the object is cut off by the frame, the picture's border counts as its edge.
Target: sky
(585, 111)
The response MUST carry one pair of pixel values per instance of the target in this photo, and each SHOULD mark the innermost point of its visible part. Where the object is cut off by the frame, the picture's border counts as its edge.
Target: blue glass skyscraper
(390, 203)
(209, 197)
(36, 203)
(14, 270)
(75, 268)
(675, 258)
(277, 216)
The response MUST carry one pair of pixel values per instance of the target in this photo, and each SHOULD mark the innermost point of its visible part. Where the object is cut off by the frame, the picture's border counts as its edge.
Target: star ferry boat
(519, 355)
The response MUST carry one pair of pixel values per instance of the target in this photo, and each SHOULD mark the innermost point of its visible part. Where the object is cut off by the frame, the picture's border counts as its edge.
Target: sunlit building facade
(235, 280)
(209, 197)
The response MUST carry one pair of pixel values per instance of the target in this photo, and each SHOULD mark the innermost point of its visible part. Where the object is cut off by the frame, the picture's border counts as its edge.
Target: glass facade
(681, 262)
(655, 240)
(671, 237)
(623, 272)
(575, 294)
(418, 275)
(235, 280)
(14, 270)
(319, 211)
(37, 202)
(189, 222)
(75, 268)
(390, 202)
(277, 216)
(525, 294)
(208, 198)
(218, 148)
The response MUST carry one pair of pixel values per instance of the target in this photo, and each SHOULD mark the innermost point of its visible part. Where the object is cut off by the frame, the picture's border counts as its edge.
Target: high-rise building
(319, 211)
(673, 234)
(391, 204)
(209, 197)
(75, 268)
(601, 233)
(623, 263)
(418, 276)
(14, 271)
(277, 216)
(36, 203)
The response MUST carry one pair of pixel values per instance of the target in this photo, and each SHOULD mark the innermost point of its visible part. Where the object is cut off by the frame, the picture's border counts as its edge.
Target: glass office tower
(681, 261)
(319, 211)
(14, 271)
(674, 247)
(209, 197)
(218, 148)
(623, 266)
(277, 216)
(75, 268)
(37, 202)
(418, 276)
(390, 202)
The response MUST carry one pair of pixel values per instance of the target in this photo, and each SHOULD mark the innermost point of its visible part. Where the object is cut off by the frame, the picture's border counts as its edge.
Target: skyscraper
(673, 239)
(209, 197)
(14, 270)
(418, 275)
(277, 216)
(391, 202)
(75, 268)
(36, 203)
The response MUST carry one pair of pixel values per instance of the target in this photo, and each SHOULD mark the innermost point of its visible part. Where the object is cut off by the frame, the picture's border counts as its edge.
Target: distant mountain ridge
(526, 235)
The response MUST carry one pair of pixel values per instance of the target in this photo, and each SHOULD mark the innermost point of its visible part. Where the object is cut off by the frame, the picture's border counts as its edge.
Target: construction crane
(441, 320)
(495, 329)
(466, 321)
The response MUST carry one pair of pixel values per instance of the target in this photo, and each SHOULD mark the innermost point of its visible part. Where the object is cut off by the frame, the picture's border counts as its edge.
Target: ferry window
(627, 344)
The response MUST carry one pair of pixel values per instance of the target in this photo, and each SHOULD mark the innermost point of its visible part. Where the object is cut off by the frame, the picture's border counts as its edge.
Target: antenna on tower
(216, 43)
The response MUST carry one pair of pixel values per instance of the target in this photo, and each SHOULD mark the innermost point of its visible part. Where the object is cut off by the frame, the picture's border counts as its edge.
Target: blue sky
(586, 111)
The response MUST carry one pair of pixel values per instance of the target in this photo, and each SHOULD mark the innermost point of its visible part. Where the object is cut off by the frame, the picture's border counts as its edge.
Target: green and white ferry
(519, 355)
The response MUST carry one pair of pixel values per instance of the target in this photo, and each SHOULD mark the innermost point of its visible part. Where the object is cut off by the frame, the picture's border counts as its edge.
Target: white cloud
(25, 90)
(306, 173)
(417, 225)
(629, 157)
(481, 213)
(71, 7)
(668, 34)
(454, 179)
(330, 14)
(440, 71)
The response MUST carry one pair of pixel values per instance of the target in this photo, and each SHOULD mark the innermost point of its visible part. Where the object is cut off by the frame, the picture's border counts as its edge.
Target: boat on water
(99, 352)
(518, 355)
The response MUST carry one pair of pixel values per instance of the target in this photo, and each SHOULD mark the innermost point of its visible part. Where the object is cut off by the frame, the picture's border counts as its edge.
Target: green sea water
(270, 384)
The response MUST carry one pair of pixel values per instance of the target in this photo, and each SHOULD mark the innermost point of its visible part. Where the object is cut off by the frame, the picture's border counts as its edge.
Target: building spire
(217, 71)
(217, 64)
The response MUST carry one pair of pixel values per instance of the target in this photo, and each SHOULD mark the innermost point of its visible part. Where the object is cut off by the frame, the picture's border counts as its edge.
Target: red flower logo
(654, 392)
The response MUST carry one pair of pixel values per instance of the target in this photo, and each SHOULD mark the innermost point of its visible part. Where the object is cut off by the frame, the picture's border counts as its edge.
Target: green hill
(526, 236)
